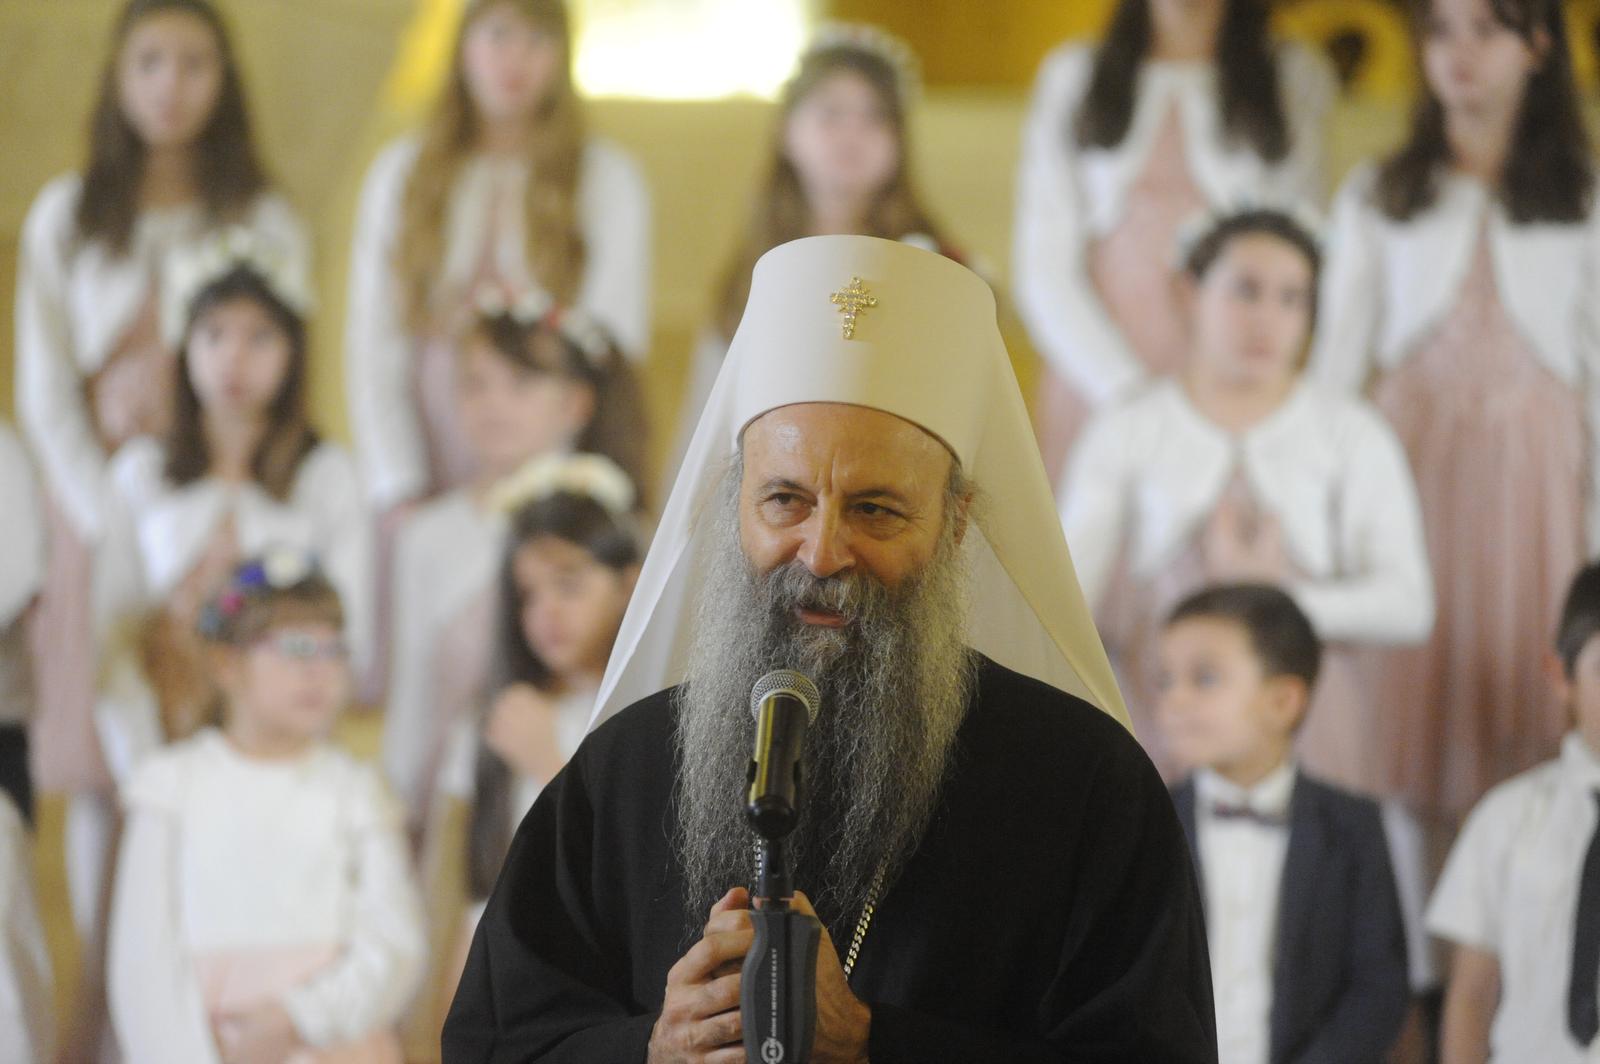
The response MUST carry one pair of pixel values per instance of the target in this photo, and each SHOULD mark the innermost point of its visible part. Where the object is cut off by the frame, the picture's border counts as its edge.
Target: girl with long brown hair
(1185, 105)
(503, 187)
(1463, 290)
(840, 163)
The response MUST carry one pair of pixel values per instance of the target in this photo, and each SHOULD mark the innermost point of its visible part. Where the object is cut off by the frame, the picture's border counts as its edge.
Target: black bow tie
(1224, 811)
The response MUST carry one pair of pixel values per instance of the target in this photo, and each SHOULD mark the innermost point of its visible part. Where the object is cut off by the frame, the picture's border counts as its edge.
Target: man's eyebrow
(785, 484)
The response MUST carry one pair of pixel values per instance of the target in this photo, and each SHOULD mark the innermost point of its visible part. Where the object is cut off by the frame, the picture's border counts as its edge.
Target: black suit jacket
(1339, 978)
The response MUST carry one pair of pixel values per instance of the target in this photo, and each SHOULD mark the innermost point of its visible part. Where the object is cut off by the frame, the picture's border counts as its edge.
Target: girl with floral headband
(1184, 104)
(840, 163)
(1240, 470)
(533, 383)
(571, 557)
(1463, 295)
(264, 906)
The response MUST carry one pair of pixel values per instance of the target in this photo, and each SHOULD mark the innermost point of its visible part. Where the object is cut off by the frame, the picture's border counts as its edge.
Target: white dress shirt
(1242, 865)
(1510, 888)
(1388, 284)
(614, 215)
(1068, 197)
(1152, 471)
(75, 301)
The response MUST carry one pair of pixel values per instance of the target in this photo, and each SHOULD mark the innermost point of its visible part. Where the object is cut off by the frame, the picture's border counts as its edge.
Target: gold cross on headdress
(851, 302)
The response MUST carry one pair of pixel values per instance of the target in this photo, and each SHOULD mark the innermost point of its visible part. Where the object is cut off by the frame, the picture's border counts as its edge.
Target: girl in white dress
(1185, 104)
(264, 908)
(571, 557)
(532, 380)
(171, 159)
(1463, 295)
(1240, 470)
(840, 163)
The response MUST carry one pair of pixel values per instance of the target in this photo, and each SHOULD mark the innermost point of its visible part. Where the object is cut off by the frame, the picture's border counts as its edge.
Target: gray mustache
(851, 594)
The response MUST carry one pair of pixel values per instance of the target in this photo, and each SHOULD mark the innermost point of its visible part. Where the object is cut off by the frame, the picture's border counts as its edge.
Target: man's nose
(826, 548)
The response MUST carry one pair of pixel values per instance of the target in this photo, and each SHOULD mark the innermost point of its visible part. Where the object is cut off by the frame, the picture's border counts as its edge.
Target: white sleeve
(155, 999)
(616, 225)
(1094, 514)
(21, 529)
(407, 715)
(1385, 594)
(378, 344)
(1588, 345)
(1468, 905)
(27, 1008)
(1350, 302)
(1309, 88)
(344, 544)
(381, 965)
(1055, 297)
(49, 384)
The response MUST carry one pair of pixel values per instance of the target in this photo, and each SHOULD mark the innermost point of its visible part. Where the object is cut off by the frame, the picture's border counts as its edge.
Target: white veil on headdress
(925, 347)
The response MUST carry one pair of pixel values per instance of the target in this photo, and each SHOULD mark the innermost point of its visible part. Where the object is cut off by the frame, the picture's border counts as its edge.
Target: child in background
(1519, 899)
(239, 470)
(1308, 953)
(27, 1008)
(22, 566)
(840, 163)
(532, 381)
(1239, 469)
(571, 558)
(264, 904)
(1464, 288)
(171, 161)
(1185, 104)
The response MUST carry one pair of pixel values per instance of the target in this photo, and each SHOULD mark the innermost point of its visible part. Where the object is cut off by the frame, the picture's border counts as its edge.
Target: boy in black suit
(1308, 954)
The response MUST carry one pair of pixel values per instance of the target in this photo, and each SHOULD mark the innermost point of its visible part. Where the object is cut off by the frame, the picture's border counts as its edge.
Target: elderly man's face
(841, 488)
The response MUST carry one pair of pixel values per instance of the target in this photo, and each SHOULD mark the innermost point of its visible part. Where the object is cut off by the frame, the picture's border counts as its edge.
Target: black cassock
(1050, 914)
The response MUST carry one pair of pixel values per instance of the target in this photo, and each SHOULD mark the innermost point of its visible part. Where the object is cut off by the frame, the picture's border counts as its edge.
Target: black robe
(1050, 914)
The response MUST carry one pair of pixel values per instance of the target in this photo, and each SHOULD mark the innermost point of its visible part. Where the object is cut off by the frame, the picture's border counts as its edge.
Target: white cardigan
(1152, 471)
(1067, 197)
(224, 852)
(27, 1006)
(74, 303)
(614, 208)
(1388, 284)
(158, 532)
(447, 554)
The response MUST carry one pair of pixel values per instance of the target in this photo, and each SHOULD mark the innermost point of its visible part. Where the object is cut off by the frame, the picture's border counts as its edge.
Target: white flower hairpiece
(591, 475)
(190, 269)
(534, 306)
(863, 37)
(1203, 223)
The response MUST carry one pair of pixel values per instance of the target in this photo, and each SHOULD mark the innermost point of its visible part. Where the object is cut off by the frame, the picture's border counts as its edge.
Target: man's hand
(699, 1021)
(843, 1021)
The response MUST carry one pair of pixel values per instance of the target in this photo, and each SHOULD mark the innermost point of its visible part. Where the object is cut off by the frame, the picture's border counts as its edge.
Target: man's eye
(872, 509)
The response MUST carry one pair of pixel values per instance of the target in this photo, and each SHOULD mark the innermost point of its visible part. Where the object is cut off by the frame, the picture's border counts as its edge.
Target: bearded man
(997, 866)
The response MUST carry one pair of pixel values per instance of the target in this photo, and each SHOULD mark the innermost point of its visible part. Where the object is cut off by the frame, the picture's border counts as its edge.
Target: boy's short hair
(1282, 636)
(1580, 617)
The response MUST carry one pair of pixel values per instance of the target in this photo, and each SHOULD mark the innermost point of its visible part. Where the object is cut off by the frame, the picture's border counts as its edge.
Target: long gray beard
(895, 684)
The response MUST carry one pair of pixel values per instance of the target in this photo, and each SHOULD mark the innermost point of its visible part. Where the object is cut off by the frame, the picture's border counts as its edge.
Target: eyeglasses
(297, 646)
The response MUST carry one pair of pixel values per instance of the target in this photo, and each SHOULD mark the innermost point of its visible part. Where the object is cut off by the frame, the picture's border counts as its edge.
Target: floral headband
(862, 37)
(534, 307)
(1201, 225)
(190, 270)
(592, 476)
(278, 569)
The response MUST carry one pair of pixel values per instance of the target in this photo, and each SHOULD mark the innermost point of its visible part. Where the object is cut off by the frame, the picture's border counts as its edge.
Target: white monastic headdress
(878, 323)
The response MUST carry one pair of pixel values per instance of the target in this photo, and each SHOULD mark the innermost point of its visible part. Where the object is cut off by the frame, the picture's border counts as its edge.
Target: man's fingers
(718, 996)
(710, 954)
(716, 1032)
(737, 898)
(727, 920)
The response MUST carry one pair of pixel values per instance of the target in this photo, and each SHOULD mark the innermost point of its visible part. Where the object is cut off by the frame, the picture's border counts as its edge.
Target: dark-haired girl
(1185, 104)
(171, 159)
(1463, 290)
(1238, 470)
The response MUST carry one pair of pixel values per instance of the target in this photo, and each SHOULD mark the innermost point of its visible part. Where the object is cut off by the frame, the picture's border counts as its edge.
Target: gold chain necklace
(863, 925)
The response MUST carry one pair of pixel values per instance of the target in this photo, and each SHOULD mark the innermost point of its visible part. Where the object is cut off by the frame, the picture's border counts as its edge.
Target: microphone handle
(778, 990)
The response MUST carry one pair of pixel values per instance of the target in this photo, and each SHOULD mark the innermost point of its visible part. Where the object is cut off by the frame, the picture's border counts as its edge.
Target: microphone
(784, 703)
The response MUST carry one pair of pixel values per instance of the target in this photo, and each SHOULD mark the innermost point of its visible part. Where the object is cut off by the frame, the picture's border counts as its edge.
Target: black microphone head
(786, 682)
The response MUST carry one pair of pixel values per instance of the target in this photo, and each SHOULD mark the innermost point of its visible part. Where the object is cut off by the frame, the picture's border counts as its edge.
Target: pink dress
(1337, 740)
(130, 396)
(1497, 444)
(1131, 269)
